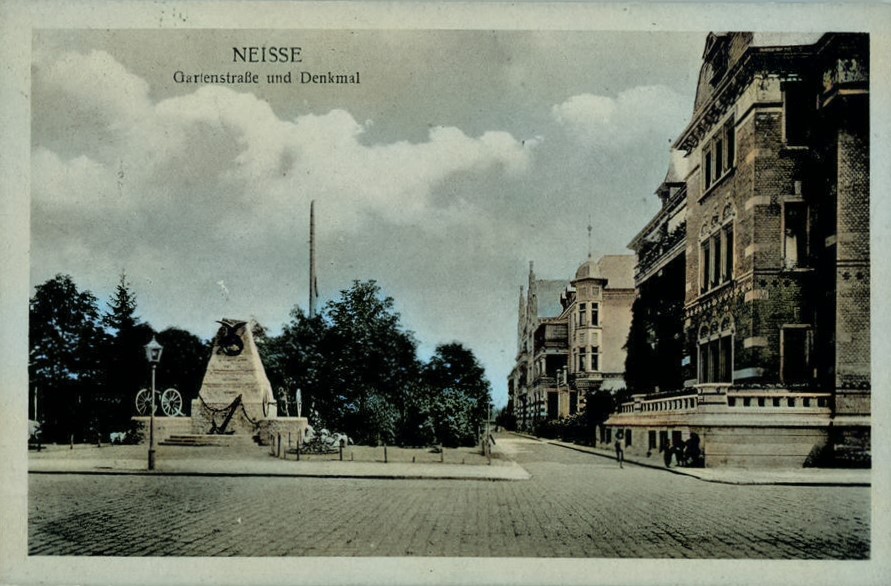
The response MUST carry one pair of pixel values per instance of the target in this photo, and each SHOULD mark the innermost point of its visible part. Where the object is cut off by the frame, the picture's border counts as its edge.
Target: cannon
(170, 400)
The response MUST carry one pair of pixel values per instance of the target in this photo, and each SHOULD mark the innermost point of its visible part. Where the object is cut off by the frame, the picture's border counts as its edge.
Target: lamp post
(153, 354)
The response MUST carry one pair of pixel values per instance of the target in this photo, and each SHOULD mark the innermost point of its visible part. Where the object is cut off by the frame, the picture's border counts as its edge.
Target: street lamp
(153, 354)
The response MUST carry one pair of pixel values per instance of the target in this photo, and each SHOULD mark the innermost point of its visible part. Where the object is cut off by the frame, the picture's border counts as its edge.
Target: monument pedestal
(164, 427)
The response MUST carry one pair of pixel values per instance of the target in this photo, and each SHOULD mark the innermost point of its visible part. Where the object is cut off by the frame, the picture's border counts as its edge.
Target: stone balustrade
(723, 395)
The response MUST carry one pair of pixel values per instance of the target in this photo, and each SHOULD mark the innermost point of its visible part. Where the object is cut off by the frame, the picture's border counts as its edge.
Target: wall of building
(617, 321)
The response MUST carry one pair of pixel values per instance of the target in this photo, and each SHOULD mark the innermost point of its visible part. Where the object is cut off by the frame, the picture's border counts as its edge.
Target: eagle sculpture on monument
(229, 340)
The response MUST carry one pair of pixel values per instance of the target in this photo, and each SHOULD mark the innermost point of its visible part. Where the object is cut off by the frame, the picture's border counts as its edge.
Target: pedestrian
(666, 454)
(692, 451)
(677, 449)
(620, 452)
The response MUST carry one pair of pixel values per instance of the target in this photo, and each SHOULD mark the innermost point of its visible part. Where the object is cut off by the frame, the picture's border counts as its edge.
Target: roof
(618, 269)
(547, 292)
(724, 57)
(784, 39)
(588, 270)
(678, 167)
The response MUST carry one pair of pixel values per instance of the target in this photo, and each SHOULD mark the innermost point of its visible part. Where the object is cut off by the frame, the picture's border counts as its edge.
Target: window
(719, 155)
(663, 440)
(708, 169)
(730, 136)
(706, 258)
(595, 314)
(795, 355)
(727, 272)
(595, 358)
(798, 113)
(716, 258)
(676, 438)
(795, 226)
(651, 439)
(583, 319)
(716, 353)
(581, 360)
(627, 437)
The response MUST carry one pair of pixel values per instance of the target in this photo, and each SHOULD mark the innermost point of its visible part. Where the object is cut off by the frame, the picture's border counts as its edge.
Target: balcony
(652, 255)
(544, 380)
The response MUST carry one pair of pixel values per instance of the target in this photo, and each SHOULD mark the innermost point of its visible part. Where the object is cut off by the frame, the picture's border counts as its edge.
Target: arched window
(716, 250)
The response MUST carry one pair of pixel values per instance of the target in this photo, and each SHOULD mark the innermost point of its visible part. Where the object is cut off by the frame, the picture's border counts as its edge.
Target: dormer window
(719, 64)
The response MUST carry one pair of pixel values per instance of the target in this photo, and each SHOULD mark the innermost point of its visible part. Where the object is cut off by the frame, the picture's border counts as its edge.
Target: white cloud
(79, 182)
(233, 143)
(96, 82)
(644, 112)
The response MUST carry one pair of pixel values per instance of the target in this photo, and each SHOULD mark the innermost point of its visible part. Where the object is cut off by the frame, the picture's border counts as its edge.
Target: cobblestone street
(575, 505)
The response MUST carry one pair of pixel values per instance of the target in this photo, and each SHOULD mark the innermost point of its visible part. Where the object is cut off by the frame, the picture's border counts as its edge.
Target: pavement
(576, 504)
(463, 463)
(744, 476)
(257, 461)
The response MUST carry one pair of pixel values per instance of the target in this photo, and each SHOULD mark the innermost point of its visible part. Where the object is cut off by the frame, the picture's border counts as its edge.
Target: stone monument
(236, 397)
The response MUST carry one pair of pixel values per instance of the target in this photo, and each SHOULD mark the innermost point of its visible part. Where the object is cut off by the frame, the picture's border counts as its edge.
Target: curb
(681, 472)
(266, 475)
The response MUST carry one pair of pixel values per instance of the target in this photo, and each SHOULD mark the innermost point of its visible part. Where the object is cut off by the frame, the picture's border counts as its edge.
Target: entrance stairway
(200, 439)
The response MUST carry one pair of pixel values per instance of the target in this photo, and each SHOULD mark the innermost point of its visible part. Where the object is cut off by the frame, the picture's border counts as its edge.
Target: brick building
(759, 256)
(570, 339)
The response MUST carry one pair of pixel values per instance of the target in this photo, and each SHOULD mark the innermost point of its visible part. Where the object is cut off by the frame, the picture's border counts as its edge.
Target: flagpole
(312, 258)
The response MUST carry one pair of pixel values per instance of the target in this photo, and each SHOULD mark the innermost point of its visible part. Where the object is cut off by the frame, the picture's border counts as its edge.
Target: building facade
(753, 279)
(570, 339)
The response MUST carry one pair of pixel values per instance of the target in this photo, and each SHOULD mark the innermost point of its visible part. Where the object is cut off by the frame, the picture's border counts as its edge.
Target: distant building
(570, 339)
(753, 279)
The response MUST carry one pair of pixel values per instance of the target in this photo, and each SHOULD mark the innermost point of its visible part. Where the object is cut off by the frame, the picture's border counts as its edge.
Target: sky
(460, 157)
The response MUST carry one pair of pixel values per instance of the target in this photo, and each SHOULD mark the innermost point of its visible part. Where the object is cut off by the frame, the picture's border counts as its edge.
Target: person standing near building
(620, 451)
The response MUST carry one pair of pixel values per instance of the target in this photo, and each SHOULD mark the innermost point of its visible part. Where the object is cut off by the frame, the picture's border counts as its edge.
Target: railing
(544, 380)
(652, 251)
(722, 394)
(770, 400)
(686, 402)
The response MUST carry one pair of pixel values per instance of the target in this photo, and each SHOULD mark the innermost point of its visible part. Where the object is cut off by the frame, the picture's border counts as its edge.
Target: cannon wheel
(172, 403)
(143, 402)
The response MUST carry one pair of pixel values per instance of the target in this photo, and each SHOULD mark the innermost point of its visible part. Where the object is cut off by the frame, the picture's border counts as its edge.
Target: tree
(640, 354)
(461, 394)
(297, 359)
(655, 345)
(358, 372)
(65, 358)
(183, 363)
(368, 355)
(124, 356)
(121, 315)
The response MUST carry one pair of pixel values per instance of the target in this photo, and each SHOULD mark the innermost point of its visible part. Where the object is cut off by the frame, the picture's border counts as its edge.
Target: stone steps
(198, 440)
